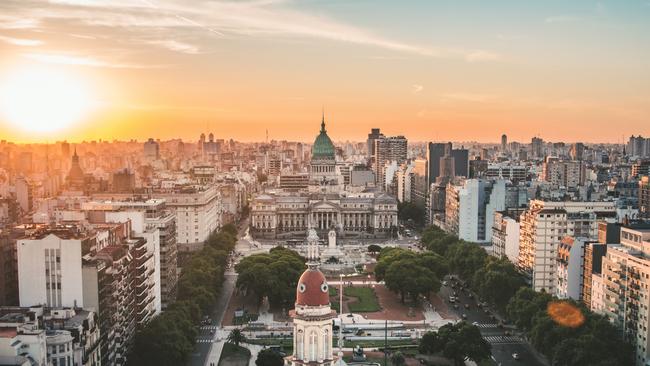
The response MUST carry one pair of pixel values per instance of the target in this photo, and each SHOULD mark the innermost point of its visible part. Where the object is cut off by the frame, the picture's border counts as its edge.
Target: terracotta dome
(312, 289)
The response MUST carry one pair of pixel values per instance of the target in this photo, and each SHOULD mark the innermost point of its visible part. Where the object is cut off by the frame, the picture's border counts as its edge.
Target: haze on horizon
(429, 70)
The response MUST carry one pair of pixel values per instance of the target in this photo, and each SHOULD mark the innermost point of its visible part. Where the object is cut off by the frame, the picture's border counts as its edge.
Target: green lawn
(332, 291)
(366, 299)
(234, 355)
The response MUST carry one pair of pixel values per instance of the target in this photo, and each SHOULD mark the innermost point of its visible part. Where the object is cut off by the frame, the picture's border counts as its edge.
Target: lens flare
(565, 314)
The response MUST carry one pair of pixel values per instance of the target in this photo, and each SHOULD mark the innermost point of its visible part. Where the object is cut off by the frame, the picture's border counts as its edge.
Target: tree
(273, 275)
(437, 241)
(236, 337)
(268, 357)
(398, 359)
(465, 259)
(374, 248)
(497, 281)
(458, 342)
(430, 343)
(408, 278)
(525, 305)
(410, 212)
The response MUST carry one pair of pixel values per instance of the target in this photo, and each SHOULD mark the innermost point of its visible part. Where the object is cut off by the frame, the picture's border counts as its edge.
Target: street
(206, 338)
(503, 345)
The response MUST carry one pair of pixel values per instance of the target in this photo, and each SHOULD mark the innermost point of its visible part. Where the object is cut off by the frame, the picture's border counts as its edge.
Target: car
(507, 332)
(350, 315)
(466, 306)
(452, 299)
(470, 296)
(456, 306)
(444, 283)
(455, 293)
(475, 324)
(464, 316)
(516, 356)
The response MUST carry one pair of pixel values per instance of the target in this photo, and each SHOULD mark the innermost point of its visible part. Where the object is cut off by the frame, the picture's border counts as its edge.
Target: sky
(429, 70)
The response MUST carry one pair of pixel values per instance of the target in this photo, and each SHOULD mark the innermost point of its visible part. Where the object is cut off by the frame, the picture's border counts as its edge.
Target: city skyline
(430, 70)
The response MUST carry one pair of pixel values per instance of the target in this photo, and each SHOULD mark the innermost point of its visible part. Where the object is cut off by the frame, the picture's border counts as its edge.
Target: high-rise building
(537, 148)
(562, 173)
(102, 268)
(420, 185)
(9, 267)
(638, 146)
(543, 226)
(644, 197)
(570, 271)
(387, 150)
(151, 149)
(435, 151)
(621, 292)
(461, 162)
(447, 163)
(641, 168)
(504, 143)
(505, 237)
(374, 135)
(593, 261)
(470, 208)
(577, 151)
(123, 181)
(152, 220)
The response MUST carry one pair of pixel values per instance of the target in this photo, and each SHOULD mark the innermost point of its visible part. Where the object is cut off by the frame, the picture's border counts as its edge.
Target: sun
(43, 100)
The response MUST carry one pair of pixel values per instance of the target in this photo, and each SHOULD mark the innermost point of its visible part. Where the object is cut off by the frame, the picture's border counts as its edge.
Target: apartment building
(626, 295)
(543, 226)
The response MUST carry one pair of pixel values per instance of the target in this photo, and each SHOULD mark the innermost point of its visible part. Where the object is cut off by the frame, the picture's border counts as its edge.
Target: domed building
(75, 178)
(325, 205)
(325, 175)
(312, 317)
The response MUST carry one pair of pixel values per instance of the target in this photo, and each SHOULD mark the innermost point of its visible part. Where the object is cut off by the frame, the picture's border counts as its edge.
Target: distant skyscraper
(461, 162)
(537, 147)
(374, 134)
(151, 149)
(123, 181)
(435, 151)
(577, 151)
(447, 163)
(388, 149)
(504, 143)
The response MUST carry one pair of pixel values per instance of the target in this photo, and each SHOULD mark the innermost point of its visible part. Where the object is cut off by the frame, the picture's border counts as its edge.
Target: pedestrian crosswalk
(486, 325)
(503, 339)
(209, 327)
(204, 340)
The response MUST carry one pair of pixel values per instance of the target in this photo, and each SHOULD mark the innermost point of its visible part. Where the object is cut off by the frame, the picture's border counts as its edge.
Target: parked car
(516, 356)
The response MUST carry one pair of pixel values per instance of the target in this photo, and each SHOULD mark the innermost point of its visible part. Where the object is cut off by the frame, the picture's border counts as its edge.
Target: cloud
(21, 41)
(81, 61)
(177, 46)
(268, 18)
(17, 22)
(467, 97)
(417, 88)
(481, 56)
(561, 19)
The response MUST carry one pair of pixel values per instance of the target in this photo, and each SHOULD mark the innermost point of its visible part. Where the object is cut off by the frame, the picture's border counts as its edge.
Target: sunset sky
(430, 70)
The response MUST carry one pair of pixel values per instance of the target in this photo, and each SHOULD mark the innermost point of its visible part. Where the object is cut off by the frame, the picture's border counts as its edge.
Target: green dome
(323, 147)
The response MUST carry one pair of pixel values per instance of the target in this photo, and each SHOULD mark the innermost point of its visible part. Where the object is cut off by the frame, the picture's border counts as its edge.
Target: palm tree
(397, 359)
(236, 337)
